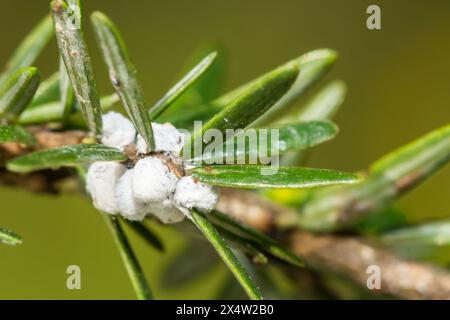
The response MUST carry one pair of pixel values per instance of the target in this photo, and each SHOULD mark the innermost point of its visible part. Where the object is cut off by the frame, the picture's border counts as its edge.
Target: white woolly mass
(167, 138)
(150, 188)
(101, 180)
(118, 131)
(193, 194)
(153, 181)
(128, 205)
(166, 212)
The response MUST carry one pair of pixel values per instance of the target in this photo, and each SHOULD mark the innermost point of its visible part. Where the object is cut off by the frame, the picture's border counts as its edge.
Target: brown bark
(41, 181)
(45, 139)
(352, 256)
(349, 256)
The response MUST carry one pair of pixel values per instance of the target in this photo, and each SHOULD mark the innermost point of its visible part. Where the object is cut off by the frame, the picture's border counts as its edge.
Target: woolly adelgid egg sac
(193, 194)
(126, 202)
(152, 180)
(150, 187)
(118, 131)
(167, 138)
(166, 212)
(101, 179)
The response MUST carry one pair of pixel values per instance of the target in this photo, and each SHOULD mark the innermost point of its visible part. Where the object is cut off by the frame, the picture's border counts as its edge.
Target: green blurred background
(399, 89)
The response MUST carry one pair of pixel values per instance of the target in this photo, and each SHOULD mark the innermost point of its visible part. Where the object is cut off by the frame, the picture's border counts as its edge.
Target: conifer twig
(346, 255)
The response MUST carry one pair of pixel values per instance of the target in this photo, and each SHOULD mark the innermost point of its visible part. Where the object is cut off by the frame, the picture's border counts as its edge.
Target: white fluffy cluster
(150, 187)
